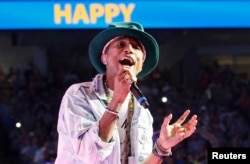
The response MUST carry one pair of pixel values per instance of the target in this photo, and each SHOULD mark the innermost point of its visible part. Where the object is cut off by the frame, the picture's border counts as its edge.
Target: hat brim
(100, 40)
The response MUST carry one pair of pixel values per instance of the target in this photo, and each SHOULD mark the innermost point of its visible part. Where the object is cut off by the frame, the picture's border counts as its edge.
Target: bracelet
(159, 151)
(160, 147)
(112, 112)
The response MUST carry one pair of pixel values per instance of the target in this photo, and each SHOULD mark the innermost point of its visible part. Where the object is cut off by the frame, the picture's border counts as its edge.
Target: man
(101, 121)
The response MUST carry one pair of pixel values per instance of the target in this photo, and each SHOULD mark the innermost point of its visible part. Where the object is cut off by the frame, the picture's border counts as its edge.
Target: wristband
(112, 112)
(159, 151)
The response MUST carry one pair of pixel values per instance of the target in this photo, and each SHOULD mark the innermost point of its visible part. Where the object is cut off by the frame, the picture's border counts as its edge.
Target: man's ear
(104, 59)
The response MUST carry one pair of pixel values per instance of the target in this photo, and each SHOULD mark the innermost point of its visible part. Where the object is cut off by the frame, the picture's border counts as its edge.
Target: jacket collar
(97, 86)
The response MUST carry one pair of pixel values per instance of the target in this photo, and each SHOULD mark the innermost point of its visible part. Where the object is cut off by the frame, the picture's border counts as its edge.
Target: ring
(128, 81)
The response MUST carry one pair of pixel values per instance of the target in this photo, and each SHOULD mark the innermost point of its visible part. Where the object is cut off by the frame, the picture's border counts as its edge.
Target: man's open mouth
(127, 61)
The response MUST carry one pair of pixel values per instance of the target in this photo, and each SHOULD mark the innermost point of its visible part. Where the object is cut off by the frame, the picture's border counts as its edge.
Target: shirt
(81, 108)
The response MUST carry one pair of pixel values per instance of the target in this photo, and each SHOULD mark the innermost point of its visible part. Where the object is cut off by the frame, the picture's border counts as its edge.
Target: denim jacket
(78, 125)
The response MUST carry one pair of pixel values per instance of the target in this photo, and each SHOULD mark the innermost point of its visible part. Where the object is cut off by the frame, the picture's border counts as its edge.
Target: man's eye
(121, 44)
(137, 47)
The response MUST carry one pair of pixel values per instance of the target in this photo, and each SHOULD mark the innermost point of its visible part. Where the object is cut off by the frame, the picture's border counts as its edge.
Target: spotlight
(18, 125)
(164, 99)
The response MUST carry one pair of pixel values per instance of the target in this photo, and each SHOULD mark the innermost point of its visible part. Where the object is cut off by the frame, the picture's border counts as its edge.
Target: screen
(52, 14)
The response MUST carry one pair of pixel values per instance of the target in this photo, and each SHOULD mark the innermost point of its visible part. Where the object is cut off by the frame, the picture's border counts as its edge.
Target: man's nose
(129, 49)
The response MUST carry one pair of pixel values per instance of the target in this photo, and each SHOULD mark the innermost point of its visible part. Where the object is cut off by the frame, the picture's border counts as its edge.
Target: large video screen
(78, 14)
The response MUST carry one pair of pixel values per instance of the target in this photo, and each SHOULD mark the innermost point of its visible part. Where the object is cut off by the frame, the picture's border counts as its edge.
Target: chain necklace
(128, 138)
(127, 147)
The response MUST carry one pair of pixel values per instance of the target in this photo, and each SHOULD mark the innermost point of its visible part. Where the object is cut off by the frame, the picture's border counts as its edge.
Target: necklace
(128, 139)
(106, 92)
(127, 148)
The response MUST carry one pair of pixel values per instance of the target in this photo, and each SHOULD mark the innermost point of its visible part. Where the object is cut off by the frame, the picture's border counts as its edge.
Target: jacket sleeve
(78, 130)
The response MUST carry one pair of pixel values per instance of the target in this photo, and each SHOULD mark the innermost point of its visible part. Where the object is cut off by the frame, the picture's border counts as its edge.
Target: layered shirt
(82, 106)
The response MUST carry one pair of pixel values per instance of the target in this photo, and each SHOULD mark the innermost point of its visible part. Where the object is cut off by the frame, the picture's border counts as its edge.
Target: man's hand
(171, 135)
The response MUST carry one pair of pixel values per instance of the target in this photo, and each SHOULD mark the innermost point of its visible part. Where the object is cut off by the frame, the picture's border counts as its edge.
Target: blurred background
(204, 66)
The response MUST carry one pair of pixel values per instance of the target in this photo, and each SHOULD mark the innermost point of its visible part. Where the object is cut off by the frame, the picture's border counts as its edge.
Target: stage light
(164, 99)
(18, 125)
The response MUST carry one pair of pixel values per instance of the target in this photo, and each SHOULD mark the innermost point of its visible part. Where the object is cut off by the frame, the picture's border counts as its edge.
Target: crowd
(221, 99)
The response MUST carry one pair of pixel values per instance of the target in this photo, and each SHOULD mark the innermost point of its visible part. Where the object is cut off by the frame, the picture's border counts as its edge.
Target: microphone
(139, 96)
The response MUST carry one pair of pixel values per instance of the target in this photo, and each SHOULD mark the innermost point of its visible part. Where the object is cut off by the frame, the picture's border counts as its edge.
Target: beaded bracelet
(112, 112)
(159, 151)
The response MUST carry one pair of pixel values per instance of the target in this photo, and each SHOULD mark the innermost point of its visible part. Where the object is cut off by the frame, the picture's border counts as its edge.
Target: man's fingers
(190, 126)
(192, 122)
(191, 131)
(183, 117)
(167, 120)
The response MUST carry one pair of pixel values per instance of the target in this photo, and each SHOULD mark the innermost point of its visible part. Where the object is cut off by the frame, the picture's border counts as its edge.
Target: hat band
(109, 42)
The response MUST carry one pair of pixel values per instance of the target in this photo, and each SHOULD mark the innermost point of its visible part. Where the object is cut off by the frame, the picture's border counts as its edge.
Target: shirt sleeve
(78, 130)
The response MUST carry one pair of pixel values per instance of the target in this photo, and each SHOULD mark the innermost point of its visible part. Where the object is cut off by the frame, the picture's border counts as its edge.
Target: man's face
(124, 53)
